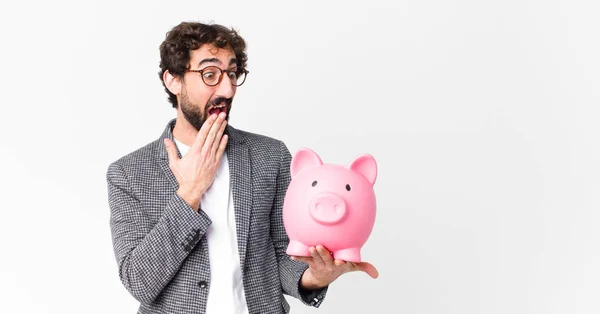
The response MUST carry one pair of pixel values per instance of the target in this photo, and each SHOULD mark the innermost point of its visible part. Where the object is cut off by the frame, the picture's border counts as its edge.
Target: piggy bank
(331, 205)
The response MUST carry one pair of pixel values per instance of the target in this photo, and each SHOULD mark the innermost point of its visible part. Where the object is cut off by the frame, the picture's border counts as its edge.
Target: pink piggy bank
(329, 204)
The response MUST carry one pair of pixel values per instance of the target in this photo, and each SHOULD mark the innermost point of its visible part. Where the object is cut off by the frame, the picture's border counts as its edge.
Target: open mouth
(217, 109)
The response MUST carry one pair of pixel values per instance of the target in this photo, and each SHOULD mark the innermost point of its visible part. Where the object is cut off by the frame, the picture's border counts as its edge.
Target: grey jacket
(159, 241)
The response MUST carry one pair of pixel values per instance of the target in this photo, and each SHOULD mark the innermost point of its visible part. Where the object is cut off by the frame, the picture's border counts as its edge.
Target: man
(196, 216)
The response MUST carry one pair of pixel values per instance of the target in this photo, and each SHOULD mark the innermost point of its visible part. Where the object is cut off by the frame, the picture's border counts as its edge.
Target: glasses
(213, 75)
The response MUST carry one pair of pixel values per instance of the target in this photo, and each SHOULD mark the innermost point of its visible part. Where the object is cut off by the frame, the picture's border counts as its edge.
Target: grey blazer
(159, 241)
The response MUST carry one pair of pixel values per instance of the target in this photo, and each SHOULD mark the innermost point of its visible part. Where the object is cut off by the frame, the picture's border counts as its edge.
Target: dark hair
(187, 36)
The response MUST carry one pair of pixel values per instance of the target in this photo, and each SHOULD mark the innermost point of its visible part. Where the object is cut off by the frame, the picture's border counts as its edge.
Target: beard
(195, 116)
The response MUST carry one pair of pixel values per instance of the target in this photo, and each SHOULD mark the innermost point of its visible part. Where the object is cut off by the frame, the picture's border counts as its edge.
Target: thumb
(171, 150)
(367, 268)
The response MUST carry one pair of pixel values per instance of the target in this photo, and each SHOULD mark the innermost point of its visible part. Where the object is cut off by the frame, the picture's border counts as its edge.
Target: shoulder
(264, 146)
(264, 149)
(142, 158)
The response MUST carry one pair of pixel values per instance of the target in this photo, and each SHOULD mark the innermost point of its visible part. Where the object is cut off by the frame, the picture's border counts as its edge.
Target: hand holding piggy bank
(329, 204)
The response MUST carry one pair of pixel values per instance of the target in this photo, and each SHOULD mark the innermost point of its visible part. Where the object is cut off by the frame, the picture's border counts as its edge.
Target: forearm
(149, 253)
(290, 273)
(147, 265)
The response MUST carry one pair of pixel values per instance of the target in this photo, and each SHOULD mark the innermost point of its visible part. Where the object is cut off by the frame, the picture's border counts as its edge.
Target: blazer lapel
(240, 172)
(163, 157)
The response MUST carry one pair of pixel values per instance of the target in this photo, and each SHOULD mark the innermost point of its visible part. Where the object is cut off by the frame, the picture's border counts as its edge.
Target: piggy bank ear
(304, 158)
(365, 165)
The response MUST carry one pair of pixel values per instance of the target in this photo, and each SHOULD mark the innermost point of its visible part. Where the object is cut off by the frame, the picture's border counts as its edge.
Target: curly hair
(175, 50)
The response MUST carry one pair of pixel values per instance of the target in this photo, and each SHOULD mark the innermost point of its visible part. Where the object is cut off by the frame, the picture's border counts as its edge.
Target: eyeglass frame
(201, 71)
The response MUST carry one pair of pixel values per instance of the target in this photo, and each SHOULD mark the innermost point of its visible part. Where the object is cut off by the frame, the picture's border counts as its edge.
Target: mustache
(217, 101)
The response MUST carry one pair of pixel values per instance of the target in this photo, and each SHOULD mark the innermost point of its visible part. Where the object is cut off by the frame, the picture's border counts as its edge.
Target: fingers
(222, 146)
(338, 262)
(203, 132)
(217, 143)
(171, 150)
(316, 257)
(325, 254)
(305, 259)
(210, 138)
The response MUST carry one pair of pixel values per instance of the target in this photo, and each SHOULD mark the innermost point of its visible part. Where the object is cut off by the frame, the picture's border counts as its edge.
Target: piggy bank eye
(348, 187)
(314, 183)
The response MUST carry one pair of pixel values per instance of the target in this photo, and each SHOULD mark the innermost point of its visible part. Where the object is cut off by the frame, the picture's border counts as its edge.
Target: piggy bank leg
(348, 255)
(296, 248)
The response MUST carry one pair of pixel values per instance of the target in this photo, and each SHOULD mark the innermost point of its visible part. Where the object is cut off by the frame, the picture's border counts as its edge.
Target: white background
(482, 115)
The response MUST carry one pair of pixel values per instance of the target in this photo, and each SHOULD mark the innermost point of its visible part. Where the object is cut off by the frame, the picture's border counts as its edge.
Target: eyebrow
(215, 60)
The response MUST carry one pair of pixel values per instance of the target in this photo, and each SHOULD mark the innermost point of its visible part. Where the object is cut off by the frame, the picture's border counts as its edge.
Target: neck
(183, 131)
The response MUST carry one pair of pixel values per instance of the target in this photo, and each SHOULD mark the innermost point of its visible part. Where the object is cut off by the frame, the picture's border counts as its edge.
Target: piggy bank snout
(327, 208)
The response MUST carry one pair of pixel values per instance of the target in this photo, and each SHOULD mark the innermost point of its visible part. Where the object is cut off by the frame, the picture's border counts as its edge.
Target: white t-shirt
(226, 290)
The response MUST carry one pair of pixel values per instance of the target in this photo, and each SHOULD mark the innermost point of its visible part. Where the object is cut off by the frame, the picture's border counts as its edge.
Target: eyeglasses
(213, 75)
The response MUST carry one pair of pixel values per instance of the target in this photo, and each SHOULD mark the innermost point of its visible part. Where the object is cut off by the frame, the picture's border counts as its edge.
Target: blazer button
(203, 284)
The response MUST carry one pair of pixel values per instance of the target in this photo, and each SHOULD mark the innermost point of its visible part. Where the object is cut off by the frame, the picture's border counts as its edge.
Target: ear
(304, 158)
(365, 165)
(172, 83)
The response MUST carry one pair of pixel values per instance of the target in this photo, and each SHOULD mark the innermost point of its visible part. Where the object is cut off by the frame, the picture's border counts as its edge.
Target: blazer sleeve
(149, 254)
(290, 271)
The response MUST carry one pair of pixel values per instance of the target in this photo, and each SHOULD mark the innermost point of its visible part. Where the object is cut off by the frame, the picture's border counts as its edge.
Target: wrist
(309, 282)
(191, 197)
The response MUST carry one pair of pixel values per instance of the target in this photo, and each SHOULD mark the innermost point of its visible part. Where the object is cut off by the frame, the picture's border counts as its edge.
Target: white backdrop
(482, 115)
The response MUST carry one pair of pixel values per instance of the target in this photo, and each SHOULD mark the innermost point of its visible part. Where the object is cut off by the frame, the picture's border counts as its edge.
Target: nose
(327, 208)
(225, 88)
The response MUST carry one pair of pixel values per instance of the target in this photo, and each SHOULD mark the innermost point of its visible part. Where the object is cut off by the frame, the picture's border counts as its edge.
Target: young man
(196, 215)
